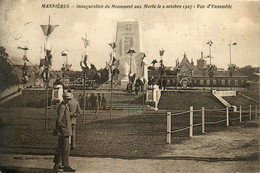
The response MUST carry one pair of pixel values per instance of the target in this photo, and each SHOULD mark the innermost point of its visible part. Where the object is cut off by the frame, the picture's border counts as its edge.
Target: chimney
(201, 54)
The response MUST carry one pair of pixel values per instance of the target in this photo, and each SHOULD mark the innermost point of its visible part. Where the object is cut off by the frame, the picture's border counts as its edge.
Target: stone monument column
(129, 36)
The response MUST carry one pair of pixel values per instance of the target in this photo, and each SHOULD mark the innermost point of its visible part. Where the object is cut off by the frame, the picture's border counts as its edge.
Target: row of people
(93, 101)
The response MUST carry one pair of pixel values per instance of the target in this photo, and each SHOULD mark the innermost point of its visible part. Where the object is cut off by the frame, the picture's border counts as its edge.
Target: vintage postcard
(129, 85)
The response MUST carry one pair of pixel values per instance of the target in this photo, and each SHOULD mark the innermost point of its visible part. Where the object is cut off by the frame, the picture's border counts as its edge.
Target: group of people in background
(93, 101)
(160, 82)
(138, 84)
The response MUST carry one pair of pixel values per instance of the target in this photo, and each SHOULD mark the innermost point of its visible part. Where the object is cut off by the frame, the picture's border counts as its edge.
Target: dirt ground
(234, 150)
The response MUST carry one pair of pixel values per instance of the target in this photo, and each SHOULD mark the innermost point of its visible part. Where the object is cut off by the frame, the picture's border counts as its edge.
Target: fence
(223, 115)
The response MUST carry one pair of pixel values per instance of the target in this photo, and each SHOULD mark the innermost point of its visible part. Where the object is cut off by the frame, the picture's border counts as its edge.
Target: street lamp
(210, 43)
(231, 66)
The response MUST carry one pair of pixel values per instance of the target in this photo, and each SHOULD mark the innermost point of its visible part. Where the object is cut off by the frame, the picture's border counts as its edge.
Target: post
(203, 120)
(168, 127)
(240, 114)
(191, 121)
(227, 116)
(250, 112)
(255, 111)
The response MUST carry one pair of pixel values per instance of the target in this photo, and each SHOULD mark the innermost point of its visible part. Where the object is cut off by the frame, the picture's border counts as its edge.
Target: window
(201, 82)
(214, 82)
(236, 82)
(223, 82)
(229, 82)
(208, 82)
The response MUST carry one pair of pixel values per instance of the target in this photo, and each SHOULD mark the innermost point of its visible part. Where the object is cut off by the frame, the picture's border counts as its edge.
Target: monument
(128, 36)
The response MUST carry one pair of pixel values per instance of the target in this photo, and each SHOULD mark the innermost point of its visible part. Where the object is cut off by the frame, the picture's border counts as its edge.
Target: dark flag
(42, 63)
(131, 51)
(47, 29)
(64, 53)
(85, 60)
(114, 60)
(25, 58)
(161, 52)
(23, 48)
(116, 71)
(142, 63)
(143, 56)
(154, 62)
(113, 45)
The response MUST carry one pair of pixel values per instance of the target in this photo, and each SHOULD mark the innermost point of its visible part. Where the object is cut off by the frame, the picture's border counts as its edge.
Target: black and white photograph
(129, 86)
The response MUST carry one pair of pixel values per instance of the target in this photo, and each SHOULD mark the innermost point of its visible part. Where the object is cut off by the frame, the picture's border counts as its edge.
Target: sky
(177, 31)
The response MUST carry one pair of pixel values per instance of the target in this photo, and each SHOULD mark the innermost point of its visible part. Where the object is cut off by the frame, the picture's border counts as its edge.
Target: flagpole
(143, 85)
(84, 98)
(111, 102)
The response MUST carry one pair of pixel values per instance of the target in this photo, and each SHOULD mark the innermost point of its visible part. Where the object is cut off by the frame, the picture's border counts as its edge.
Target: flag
(86, 42)
(113, 45)
(23, 48)
(210, 42)
(143, 56)
(161, 52)
(85, 60)
(154, 62)
(47, 29)
(142, 62)
(131, 50)
(114, 60)
(25, 58)
(42, 63)
(115, 71)
(64, 53)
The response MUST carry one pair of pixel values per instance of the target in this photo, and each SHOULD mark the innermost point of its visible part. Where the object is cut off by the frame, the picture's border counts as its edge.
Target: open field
(140, 135)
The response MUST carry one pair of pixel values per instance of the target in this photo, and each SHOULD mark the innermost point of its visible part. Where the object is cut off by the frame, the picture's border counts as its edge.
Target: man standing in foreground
(64, 131)
(75, 112)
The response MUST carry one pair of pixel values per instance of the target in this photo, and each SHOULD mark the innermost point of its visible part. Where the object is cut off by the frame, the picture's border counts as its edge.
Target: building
(187, 75)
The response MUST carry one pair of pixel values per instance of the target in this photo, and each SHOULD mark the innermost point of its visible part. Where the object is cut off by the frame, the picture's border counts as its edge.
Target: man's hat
(67, 95)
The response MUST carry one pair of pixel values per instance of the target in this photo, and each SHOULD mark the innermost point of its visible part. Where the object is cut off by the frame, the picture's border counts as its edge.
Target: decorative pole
(162, 67)
(131, 51)
(143, 65)
(85, 69)
(111, 64)
(210, 43)
(25, 59)
(231, 66)
(47, 30)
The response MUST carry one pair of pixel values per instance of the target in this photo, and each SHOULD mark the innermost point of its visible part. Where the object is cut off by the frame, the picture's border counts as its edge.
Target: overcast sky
(175, 30)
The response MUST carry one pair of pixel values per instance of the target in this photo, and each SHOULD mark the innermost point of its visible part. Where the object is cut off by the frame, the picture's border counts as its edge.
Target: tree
(8, 76)
(249, 71)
